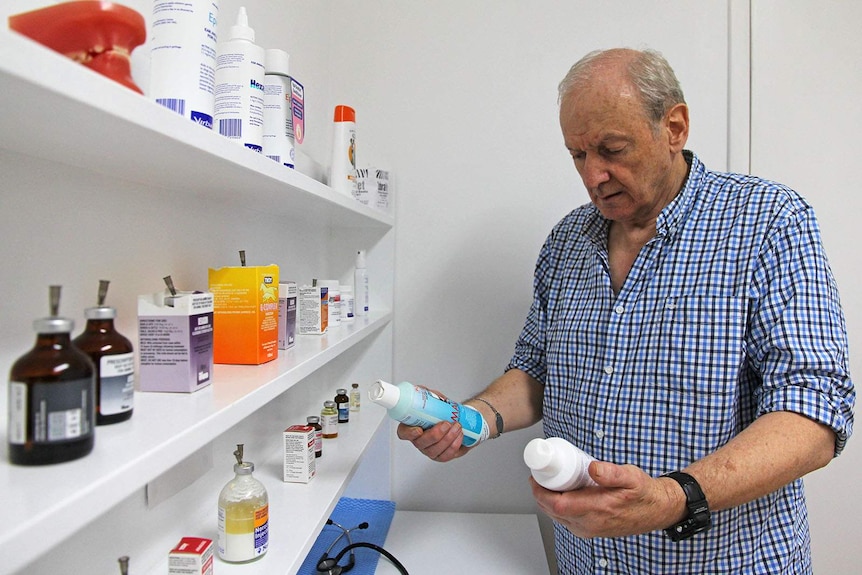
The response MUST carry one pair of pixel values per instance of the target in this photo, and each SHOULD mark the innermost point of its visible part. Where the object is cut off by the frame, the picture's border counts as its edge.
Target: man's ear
(676, 124)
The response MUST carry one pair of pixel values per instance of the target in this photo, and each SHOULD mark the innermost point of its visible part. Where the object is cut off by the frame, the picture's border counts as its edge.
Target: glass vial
(342, 404)
(355, 397)
(113, 358)
(314, 422)
(243, 515)
(51, 396)
(329, 420)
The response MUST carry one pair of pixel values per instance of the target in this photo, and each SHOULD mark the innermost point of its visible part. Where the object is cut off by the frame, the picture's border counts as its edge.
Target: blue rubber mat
(349, 513)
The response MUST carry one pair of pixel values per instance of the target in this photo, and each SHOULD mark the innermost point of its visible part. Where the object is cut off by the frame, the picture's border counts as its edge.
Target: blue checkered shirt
(729, 312)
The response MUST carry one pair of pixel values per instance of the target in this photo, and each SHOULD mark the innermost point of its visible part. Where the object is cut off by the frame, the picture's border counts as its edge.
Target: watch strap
(699, 518)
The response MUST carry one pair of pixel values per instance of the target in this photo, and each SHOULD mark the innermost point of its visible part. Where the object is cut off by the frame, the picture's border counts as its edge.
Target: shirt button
(599, 433)
(609, 369)
(603, 563)
(620, 309)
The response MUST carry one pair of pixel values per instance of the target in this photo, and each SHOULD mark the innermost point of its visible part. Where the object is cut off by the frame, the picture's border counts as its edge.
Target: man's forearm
(516, 396)
(774, 450)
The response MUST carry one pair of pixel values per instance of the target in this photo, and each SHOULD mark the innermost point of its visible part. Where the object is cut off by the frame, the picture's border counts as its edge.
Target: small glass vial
(314, 422)
(243, 515)
(355, 397)
(342, 404)
(329, 420)
(51, 396)
(114, 360)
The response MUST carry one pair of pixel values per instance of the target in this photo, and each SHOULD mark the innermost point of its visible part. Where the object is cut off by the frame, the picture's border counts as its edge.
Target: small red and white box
(299, 464)
(191, 556)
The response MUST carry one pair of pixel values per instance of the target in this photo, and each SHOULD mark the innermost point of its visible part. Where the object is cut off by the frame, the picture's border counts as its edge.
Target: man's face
(624, 162)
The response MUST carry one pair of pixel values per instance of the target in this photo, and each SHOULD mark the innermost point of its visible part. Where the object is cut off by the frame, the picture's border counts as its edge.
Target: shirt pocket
(703, 343)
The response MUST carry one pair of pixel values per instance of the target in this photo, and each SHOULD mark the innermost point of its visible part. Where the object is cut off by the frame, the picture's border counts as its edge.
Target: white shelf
(66, 113)
(50, 503)
(297, 511)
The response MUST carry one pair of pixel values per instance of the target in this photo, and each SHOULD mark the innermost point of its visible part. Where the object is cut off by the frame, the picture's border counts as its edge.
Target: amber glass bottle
(51, 396)
(114, 360)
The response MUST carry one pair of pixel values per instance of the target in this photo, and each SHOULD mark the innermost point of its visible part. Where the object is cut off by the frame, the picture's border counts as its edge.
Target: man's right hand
(443, 442)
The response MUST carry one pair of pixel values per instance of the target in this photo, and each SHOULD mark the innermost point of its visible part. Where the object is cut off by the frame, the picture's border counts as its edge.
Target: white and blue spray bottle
(420, 407)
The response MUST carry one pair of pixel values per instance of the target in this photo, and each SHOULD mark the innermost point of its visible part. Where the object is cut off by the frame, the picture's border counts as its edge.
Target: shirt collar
(670, 218)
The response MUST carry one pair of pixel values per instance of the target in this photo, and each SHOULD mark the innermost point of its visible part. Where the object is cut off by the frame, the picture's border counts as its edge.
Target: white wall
(806, 122)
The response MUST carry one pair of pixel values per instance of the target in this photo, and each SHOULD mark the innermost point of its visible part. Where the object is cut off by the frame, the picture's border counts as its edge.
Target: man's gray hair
(649, 73)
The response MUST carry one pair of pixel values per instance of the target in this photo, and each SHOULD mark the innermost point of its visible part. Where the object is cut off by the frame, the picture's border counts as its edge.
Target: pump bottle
(51, 396)
(239, 78)
(558, 465)
(417, 406)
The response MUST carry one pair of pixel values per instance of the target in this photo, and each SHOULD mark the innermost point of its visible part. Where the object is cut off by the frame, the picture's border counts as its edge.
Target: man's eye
(577, 156)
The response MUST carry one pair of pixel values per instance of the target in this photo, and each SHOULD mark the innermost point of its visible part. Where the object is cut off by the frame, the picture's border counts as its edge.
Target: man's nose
(594, 171)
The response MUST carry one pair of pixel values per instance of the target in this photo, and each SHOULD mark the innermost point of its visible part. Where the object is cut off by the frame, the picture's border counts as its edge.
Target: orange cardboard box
(245, 314)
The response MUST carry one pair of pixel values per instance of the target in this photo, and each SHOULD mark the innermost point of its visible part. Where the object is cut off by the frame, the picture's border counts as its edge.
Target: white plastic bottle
(183, 58)
(360, 286)
(342, 168)
(417, 406)
(334, 306)
(347, 303)
(558, 465)
(278, 141)
(243, 515)
(239, 86)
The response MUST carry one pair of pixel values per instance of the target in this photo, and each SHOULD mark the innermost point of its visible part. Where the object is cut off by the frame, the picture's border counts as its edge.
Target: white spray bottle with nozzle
(558, 465)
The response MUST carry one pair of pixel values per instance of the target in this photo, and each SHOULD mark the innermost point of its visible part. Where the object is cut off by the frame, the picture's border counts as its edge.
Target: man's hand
(443, 442)
(626, 501)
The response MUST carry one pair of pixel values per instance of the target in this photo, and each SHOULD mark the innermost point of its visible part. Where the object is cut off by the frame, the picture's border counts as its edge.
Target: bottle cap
(101, 312)
(329, 404)
(277, 62)
(312, 419)
(344, 114)
(244, 468)
(539, 455)
(53, 325)
(341, 391)
(384, 394)
(241, 30)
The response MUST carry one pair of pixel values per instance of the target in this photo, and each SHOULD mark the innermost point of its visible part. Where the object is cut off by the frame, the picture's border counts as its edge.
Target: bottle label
(59, 411)
(116, 383)
(343, 411)
(428, 408)
(261, 530)
(329, 424)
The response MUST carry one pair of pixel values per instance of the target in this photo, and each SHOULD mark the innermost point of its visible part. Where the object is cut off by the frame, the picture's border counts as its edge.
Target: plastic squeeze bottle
(417, 406)
(557, 464)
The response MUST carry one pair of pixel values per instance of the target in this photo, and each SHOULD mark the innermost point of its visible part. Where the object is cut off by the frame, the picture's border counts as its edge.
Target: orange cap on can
(345, 114)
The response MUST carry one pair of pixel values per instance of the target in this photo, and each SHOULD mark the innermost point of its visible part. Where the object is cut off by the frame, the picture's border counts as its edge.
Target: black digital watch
(699, 518)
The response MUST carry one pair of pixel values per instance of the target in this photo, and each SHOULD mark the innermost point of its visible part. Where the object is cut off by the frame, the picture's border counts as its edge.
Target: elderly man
(686, 331)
